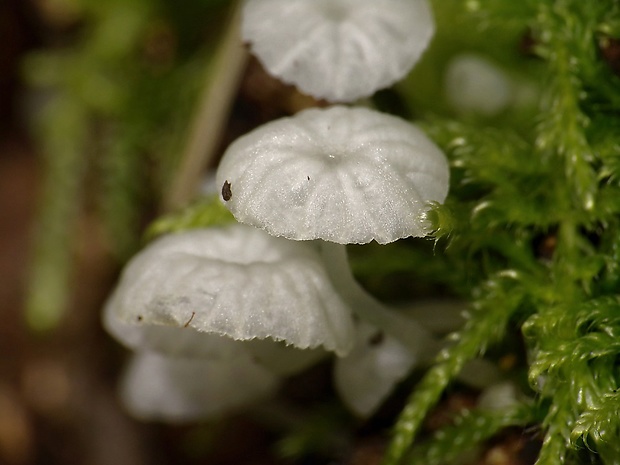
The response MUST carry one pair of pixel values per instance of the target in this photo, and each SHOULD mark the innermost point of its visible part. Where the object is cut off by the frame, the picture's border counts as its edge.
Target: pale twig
(211, 116)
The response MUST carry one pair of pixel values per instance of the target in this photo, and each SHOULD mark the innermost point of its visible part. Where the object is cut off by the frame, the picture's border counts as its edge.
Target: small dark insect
(190, 320)
(226, 192)
(139, 318)
(308, 178)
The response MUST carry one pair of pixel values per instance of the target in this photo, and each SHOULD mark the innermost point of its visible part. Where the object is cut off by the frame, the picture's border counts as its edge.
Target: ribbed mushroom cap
(346, 175)
(234, 281)
(338, 50)
(159, 387)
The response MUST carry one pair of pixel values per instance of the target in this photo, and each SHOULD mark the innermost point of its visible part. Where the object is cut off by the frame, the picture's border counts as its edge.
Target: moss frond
(468, 431)
(202, 214)
(65, 134)
(598, 428)
(497, 302)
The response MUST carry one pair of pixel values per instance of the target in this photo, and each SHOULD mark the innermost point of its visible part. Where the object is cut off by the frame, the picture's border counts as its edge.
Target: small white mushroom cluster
(218, 317)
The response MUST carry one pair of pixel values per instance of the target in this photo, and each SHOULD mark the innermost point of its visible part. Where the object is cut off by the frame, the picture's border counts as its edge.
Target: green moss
(202, 214)
(537, 201)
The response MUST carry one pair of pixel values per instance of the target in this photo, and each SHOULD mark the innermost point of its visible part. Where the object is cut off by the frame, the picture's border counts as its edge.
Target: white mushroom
(343, 175)
(473, 84)
(233, 281)
(159, 387)
(338, 50)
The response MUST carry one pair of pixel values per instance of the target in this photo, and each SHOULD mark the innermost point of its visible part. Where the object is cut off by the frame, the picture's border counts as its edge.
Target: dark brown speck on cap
(226, 192)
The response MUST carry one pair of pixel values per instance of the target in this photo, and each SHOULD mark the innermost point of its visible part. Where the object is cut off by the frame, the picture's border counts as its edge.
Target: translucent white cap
(160, 387)
(346, 175)
(338, 50)
(234, 281)
(474, 84)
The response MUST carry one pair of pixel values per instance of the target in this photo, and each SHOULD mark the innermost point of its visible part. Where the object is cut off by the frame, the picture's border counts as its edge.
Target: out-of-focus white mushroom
(474, 84)
(345, 175)
(233, 281)
(159, 387)
(338, 50)
(366, 376)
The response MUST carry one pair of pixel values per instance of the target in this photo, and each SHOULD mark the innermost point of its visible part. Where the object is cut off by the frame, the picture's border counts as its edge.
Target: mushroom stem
(408, 331)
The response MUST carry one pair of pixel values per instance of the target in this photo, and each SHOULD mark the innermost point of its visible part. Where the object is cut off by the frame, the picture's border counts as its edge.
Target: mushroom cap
(345, 175)
(159, 387)
(233, 281)
(473, 84)
(187, 343)
(338, 50)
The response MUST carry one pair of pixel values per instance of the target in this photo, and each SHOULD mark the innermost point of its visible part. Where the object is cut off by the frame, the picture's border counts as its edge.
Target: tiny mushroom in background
(338, 50)
(340, 176)
(233, 281)
(473, 84)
